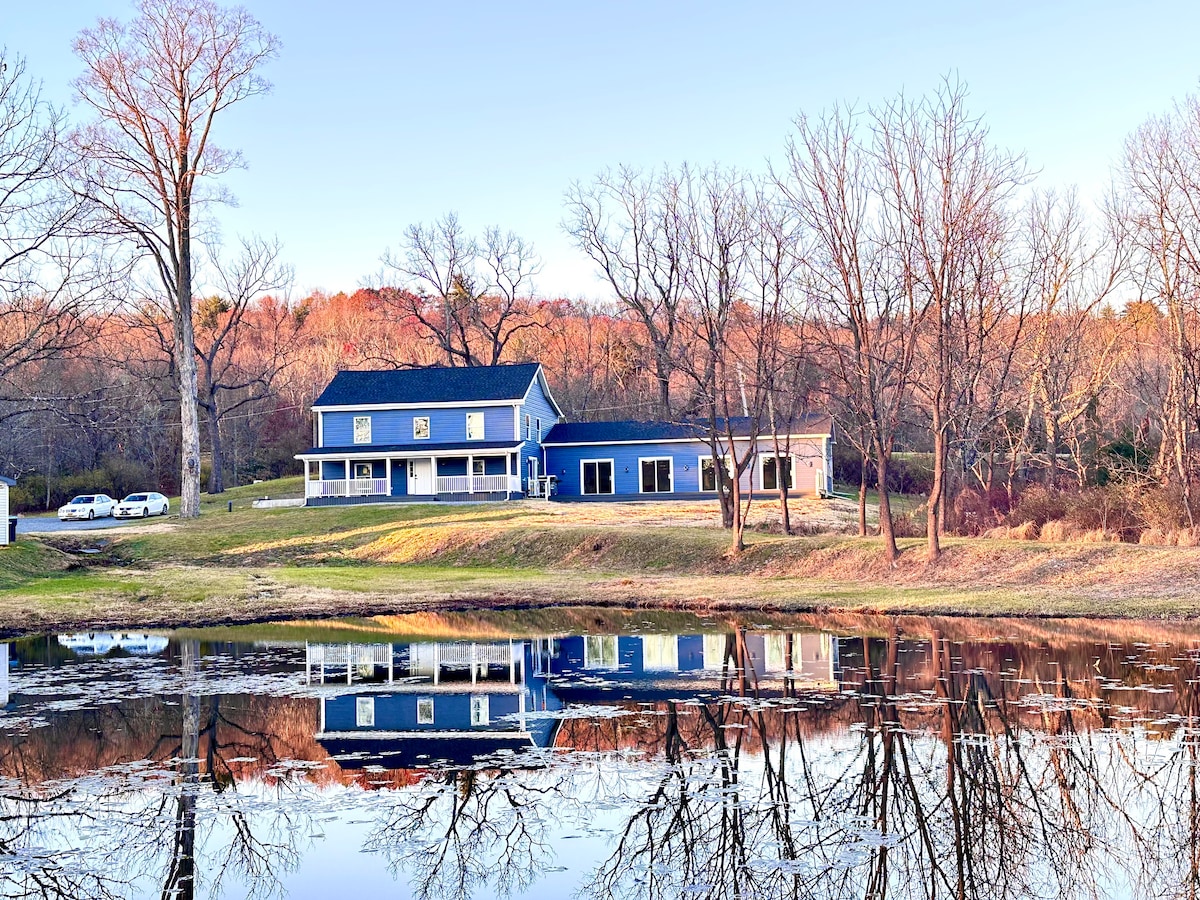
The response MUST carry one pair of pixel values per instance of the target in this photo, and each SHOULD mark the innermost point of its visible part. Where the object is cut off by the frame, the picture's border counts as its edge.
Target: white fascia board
(696, 440)
(416, 453)
(387, 407)
(540, 377)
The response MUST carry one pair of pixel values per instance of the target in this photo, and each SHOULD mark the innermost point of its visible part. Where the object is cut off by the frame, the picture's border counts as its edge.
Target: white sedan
(148, 504)
(87, 506)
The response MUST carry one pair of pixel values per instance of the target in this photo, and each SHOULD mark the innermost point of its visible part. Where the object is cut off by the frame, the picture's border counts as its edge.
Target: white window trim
(601, 665)
(428, 428)
(479, 461)
(764, 455)
(368, 466)
(482, 426)
(483, 703)
(537, 428)
(364, 712)
(432, 711)
(707, 458)
(612, 479)
(646, 459)
(528, 427)
(354, 429)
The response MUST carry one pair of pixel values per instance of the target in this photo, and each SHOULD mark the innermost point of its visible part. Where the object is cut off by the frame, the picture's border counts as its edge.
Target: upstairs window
(528, 429)
(364, 712)
(475, 426)
(656, 476)
(420, 428)
(362, 429)
(537, 430)
(480, 712)
(424, 710)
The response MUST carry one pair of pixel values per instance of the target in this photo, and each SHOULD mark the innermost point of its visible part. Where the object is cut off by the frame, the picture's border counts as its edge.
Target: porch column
(434, 477)
(470, 474)
(508, 475)
(348, 477)
(307, 487)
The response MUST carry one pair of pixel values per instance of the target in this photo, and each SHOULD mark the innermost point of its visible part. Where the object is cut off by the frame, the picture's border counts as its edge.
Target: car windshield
(83, 501)
(135, 498)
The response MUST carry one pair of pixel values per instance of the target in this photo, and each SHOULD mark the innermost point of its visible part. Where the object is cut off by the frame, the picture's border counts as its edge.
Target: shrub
(1038, 504)
(976, 510)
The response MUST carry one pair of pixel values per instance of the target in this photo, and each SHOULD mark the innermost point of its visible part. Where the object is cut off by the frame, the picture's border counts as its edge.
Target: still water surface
(605, 755)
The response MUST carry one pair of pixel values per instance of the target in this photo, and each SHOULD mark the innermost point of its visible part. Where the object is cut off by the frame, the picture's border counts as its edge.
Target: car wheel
(145, 511)
(91, 514)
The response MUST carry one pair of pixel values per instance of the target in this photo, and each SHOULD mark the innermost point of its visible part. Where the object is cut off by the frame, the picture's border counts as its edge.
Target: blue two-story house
(496, 433)
(439, 433)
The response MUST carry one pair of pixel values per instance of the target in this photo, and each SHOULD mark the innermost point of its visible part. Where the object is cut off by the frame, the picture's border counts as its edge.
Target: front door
(420, 476)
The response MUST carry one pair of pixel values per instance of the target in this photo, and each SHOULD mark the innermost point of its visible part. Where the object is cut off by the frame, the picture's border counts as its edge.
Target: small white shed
(5, 484)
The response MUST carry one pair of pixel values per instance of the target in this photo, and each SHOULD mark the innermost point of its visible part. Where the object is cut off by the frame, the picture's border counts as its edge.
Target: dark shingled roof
(436, 385)
(606, 432)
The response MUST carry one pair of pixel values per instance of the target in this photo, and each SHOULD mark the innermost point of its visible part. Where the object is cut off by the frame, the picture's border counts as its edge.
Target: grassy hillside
(255, 564)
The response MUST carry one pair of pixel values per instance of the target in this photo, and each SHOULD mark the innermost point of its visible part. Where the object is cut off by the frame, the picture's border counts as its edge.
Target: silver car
(149, 503)
(87, 506)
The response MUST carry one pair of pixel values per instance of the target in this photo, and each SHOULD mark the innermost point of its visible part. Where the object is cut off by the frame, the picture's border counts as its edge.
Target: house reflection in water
(402, 706)
(410, 705)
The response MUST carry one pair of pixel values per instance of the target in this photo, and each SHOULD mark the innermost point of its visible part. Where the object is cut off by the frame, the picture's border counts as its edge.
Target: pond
(597, 754)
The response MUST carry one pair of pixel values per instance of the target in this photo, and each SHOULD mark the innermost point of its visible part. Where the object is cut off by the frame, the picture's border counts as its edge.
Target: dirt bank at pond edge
(246, 572)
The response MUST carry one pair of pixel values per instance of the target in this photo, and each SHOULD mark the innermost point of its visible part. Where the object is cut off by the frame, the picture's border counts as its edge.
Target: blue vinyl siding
(563, 462)
(536, 406)
(332, 471)
(398, 712)
(395, 426)
(455, 465)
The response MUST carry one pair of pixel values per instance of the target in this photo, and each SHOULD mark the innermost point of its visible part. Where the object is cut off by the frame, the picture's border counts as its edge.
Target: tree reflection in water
(124, 828)
(936, 769)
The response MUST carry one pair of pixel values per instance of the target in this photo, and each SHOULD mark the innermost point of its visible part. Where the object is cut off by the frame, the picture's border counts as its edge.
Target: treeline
(972, 334)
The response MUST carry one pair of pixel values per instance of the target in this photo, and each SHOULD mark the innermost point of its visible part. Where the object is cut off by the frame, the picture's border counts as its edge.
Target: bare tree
(473, 296)
(866, 324)
(158, 85)
(50, 274)
(244, 340)
(627, 222)
(944, 197)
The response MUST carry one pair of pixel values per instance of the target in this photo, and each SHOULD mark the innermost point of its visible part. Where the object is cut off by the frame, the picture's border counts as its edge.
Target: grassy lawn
(252, 565)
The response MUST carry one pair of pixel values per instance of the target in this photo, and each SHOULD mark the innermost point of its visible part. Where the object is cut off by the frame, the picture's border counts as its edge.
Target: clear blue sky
(386, 113)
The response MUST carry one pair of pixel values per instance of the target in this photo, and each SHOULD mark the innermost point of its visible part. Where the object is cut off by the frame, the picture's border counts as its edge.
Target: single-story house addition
(674, 460)
(496, 433)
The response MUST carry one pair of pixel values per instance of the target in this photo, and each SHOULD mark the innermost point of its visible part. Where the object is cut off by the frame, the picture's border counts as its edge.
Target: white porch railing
(348, 487)
(477, 484)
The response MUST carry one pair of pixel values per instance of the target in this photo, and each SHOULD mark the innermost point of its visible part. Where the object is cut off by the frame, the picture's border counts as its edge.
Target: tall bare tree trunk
(862, 496)
(937, 492)
(185, 361)
(887, 529)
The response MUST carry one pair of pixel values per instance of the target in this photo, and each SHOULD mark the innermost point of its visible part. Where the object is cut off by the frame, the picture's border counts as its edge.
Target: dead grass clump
(1188, 537)
(999, 533)
(1156, 537)
(1026, 531)
(1100, 536)
(1057, 532)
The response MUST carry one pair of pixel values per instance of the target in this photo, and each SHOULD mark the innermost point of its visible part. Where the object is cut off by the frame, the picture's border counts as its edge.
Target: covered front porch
(430, 475)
